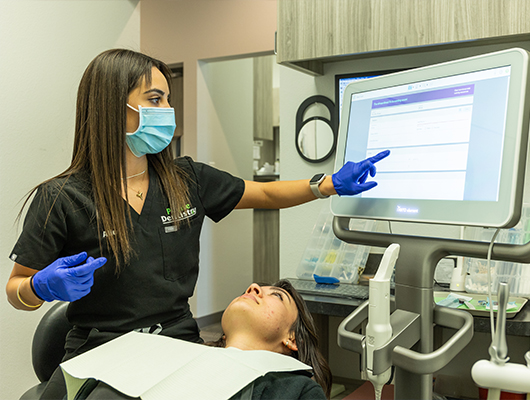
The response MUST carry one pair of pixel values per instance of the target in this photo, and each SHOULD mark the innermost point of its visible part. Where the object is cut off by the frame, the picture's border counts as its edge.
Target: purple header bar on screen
(425, 96)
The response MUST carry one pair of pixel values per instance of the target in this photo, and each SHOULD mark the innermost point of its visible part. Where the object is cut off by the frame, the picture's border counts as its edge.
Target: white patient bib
(157, 367)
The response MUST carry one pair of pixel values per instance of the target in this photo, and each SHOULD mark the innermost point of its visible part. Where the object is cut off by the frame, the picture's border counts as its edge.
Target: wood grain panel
(263, 98)
(266, 246)
(313, 29)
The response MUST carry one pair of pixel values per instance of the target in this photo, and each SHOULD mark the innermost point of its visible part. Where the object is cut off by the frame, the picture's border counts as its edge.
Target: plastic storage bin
(325, 255)
(515, 274)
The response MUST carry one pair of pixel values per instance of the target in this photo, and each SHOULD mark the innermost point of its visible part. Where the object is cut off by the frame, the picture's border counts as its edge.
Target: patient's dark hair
(306, 339)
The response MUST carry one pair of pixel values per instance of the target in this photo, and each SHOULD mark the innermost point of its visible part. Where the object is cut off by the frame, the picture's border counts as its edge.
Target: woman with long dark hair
(117, 233)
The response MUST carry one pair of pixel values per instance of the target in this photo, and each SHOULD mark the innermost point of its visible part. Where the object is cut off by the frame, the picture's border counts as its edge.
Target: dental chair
(47, 348)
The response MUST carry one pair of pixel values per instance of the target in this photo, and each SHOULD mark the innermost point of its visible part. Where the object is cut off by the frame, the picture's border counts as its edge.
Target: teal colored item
(155, 130)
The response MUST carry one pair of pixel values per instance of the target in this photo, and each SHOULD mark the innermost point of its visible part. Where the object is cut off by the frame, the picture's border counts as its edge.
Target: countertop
(337, 307)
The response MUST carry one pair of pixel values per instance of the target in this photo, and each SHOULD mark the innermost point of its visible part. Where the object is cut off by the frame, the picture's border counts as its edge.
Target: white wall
(44, 48)
(225, 133)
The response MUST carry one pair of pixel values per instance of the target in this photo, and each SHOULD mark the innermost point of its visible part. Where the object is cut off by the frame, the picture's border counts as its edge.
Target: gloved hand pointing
(351, 178)
(67, 278)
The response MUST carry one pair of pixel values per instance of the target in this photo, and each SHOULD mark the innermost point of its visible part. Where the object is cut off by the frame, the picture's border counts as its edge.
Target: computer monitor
(457, 133)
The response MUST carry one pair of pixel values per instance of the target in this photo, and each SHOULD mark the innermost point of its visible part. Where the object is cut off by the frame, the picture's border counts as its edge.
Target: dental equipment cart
(415, 311)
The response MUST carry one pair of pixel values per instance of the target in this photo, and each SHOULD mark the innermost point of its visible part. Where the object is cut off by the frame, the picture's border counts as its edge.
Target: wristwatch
(314, 184)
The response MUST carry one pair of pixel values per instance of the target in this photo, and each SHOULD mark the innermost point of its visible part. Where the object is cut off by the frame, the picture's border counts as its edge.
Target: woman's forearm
(19, 292)
(281, 194)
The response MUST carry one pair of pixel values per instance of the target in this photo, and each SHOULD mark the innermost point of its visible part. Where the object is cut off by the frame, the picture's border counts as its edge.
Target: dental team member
(117, 233)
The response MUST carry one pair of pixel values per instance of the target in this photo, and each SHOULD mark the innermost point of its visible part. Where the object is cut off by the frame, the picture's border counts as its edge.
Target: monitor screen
(457, 133)
(343, 80)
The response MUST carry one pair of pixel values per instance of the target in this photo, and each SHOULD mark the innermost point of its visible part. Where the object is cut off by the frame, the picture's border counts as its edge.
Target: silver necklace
(138, 174)
(139, 193)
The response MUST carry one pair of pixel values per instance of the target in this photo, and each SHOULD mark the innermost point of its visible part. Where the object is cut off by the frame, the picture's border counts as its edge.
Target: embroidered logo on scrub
(185, 212)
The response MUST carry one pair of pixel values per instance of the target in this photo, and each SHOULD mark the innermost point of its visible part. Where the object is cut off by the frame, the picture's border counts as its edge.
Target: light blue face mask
(155, 131)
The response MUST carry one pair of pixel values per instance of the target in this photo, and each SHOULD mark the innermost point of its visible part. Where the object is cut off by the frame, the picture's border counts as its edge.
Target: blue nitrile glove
(67, 278)
(351, 178)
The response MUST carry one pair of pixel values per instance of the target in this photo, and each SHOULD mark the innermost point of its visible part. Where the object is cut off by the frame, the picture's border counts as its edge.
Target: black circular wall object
(316, 136)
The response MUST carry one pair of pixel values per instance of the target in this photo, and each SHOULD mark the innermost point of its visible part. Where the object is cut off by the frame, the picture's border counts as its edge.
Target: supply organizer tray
(481, 310)
(328, 256)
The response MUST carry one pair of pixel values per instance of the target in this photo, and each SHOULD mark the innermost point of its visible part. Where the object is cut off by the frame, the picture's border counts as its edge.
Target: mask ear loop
(139, 120)
(132, 108)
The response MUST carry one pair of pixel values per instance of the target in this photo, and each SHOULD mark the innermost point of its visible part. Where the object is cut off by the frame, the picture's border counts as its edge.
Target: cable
(442, 285)
(391, 376)
(490, 249)
(389, 227)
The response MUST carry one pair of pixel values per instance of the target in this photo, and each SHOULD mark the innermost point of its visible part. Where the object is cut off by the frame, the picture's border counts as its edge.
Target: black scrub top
(155, 287)
(282, 385)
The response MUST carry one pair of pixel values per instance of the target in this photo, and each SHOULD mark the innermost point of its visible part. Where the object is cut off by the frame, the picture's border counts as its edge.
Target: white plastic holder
(498, 374)
(458, 278)
(509, 377)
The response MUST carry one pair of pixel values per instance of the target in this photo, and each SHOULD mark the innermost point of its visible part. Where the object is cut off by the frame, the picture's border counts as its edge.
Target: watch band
(314, 184)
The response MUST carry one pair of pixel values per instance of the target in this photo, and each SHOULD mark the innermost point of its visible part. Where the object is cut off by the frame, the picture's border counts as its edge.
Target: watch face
(316, 178)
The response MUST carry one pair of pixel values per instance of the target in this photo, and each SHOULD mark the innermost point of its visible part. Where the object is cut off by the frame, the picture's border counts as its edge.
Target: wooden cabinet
(177, 102)
(266, 246)
(311, 32)
(263, 114)
(177, 99)
(266, 237)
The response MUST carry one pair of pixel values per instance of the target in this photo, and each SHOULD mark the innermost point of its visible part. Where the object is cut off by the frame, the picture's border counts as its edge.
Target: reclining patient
(273, 318)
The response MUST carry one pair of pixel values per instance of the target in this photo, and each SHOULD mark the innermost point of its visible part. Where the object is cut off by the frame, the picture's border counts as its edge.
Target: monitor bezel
(501, 214)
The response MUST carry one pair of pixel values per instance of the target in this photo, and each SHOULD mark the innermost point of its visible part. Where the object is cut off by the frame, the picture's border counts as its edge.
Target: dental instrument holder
(379, 328)
(499, 348)
(412, 321)
(497, 373)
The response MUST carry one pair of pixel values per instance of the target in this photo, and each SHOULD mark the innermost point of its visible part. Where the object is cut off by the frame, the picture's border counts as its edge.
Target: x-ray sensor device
(379, 329)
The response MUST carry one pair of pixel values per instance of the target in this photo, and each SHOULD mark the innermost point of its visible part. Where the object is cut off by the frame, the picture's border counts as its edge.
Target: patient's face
(265, 312)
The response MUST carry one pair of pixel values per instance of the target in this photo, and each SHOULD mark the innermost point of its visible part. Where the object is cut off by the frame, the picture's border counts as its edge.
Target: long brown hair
(100, 147)
(306, 339)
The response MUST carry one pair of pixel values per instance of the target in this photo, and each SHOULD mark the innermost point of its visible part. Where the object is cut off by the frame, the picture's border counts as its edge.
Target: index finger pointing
(379, 156)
